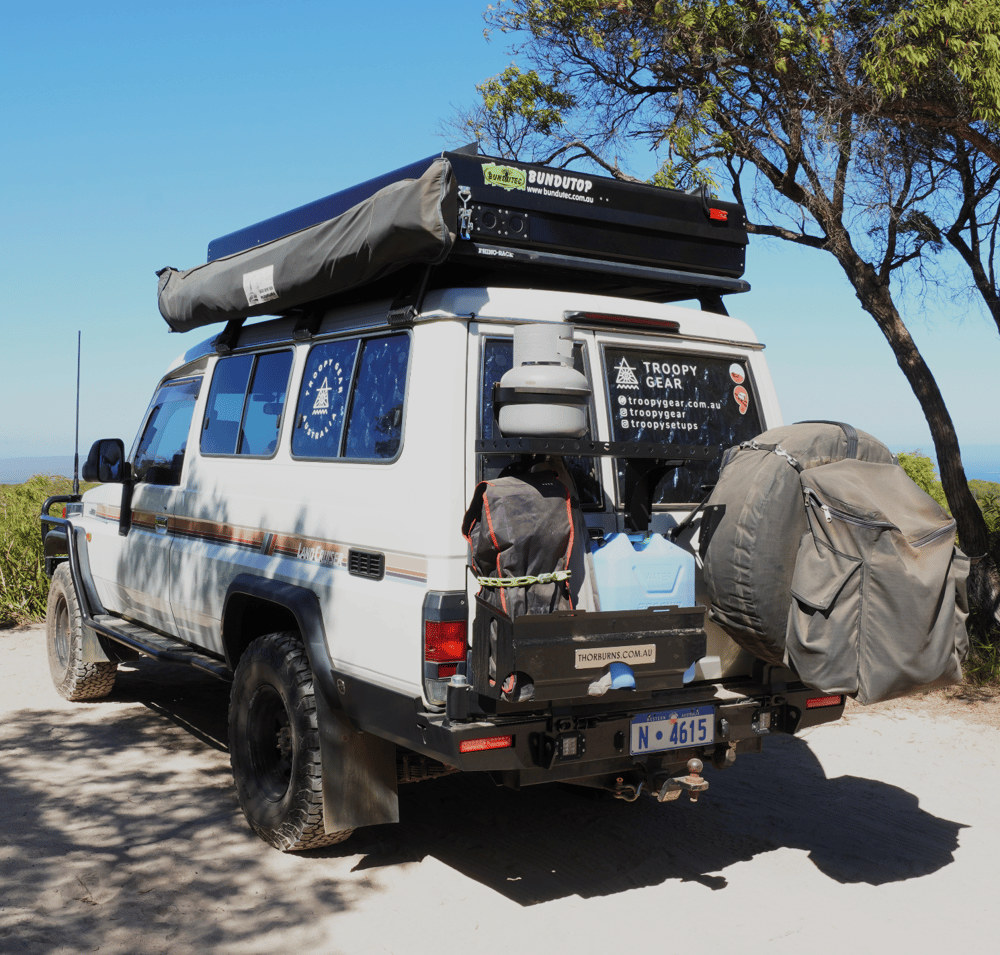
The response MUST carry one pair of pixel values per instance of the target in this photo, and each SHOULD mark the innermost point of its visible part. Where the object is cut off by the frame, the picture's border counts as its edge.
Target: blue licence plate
(672, 729)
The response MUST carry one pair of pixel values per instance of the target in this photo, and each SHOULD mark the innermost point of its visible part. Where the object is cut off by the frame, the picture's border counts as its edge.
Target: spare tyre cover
(754, 521)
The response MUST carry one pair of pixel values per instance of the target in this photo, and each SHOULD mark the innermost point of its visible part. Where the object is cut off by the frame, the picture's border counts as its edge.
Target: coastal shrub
(24, 588)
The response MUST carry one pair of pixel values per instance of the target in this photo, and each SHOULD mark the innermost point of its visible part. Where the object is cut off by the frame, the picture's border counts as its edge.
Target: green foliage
(935, 51)
(24, 588)
(920, 470)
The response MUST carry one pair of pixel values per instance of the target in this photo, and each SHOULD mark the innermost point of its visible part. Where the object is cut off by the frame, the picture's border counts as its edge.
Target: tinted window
(265, 403)
(225, 405)
(326, 386)
(243, 412)
(498, 358)
(681, 399)
(375, 428)
(159, 455)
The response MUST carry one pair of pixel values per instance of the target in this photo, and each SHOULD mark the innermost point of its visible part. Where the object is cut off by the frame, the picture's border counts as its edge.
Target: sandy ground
(120, 834)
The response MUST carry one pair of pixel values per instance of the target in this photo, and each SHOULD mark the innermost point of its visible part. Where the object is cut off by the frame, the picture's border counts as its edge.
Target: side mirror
(106, 462)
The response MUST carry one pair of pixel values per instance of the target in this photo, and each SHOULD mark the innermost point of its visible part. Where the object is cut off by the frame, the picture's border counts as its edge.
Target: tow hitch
(693, 783)
(663, 789)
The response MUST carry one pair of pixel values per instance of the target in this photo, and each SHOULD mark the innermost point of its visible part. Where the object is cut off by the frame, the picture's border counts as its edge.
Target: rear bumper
(530, 747)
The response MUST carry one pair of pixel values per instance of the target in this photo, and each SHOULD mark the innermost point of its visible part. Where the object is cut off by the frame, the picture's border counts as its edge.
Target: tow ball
(693, 783)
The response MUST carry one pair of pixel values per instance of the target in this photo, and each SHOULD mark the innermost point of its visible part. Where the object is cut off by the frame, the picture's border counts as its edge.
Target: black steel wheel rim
(60, 641)
(269, 738)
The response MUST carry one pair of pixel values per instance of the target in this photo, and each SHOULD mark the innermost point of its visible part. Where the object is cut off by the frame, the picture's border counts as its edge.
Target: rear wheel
(73, 678)
(274, 745)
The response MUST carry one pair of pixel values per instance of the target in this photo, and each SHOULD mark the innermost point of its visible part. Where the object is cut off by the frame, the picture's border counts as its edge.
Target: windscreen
(669, 397)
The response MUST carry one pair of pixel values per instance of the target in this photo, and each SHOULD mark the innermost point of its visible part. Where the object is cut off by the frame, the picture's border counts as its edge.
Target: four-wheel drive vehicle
(290, 516)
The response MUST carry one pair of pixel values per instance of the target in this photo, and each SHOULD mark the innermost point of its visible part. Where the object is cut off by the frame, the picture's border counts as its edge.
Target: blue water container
(636, 572)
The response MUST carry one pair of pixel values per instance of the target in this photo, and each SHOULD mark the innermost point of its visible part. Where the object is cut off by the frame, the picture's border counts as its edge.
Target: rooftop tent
(474, 220)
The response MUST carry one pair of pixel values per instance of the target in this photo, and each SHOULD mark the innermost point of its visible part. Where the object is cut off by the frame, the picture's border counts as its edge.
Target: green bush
(24, 588)
(920, 470)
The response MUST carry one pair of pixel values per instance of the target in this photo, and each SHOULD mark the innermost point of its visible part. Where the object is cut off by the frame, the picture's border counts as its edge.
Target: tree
(831, 133)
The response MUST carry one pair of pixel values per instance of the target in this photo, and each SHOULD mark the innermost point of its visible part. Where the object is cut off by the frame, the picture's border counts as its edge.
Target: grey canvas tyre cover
(879, 588)
(408, 222)
(753, 522)
(822, 555)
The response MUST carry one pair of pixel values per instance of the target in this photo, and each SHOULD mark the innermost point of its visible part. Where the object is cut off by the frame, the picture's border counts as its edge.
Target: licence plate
(672, 729)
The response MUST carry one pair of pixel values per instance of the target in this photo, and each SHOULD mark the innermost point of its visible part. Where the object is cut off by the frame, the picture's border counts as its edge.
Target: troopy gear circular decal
(327, 378)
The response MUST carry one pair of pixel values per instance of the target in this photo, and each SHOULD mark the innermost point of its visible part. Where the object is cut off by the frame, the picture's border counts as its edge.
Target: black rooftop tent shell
(475, 220)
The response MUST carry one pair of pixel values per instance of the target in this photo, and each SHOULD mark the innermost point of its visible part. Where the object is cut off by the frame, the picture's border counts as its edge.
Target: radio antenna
(76, 446)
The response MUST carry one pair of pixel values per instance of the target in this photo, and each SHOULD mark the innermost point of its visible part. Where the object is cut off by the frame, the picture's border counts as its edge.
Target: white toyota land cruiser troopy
(290, 515)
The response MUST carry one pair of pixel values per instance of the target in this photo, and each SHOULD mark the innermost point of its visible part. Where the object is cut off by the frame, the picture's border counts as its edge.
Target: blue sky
(133, 134)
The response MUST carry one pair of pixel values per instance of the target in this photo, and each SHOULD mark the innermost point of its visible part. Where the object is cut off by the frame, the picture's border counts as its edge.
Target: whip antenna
(76, 446)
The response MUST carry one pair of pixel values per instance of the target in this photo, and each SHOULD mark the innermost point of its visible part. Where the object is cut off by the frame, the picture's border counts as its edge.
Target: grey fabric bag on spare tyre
(822, 555)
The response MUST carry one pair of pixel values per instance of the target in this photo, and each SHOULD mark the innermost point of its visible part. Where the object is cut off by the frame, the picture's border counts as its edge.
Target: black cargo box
(473, 220)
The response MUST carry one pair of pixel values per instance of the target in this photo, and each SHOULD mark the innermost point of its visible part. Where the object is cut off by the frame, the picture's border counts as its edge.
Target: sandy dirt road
(120, 834)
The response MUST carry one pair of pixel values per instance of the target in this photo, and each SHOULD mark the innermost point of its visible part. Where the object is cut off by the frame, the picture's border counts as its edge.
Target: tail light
(445, 644)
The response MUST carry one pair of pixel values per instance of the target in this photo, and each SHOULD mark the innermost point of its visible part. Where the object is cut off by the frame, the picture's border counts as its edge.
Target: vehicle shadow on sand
(550, 842)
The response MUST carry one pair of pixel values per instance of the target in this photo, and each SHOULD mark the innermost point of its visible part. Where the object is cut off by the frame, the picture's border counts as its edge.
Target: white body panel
(294, 520)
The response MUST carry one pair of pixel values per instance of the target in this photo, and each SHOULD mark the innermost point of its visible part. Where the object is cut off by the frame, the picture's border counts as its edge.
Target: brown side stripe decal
(269, 543)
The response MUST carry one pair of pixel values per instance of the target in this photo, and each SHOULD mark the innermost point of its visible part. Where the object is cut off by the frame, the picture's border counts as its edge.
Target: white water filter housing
(543, 366)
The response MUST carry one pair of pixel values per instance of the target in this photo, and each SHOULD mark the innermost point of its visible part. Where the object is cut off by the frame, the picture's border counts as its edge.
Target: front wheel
(73, 678)
(274, 745)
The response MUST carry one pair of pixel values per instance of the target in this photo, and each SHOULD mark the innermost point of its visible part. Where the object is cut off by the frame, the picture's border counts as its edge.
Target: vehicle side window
(351, 401)
(159, 454)
(326, 386)
(498, 358)
(265, 403)
(225, 405)
(375, 428)
(245, 403)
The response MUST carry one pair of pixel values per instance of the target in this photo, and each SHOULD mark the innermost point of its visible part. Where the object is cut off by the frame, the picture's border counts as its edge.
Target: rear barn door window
(498, 359)
(667, 397)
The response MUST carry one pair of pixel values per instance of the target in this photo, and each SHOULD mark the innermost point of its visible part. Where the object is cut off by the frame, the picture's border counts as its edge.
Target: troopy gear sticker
(328, 377)
(736, 373)
(626, 376)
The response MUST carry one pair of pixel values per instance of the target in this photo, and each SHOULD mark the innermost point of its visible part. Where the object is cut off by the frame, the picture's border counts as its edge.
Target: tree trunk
(875, 298)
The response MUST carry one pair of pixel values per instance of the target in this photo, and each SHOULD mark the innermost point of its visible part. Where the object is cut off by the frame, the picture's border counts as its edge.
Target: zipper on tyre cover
(831, 512)
(934, 535)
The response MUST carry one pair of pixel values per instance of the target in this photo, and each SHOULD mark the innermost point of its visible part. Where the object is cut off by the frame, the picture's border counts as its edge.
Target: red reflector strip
(817, 701)
(720, 215)
(446, 670)
(490, 742)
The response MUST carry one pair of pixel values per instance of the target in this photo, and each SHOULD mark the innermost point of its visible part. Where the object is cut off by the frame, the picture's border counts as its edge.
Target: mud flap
(359, 773)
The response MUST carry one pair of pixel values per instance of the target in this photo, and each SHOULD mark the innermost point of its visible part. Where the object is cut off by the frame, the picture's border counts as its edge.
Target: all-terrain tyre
(73, 678)
(274, 745)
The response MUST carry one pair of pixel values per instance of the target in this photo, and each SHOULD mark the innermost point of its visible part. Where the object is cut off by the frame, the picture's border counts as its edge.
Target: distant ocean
(982, 462)
(18, 470)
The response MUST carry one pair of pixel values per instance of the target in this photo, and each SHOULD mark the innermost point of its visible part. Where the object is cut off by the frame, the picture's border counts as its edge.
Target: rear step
(157, 645)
